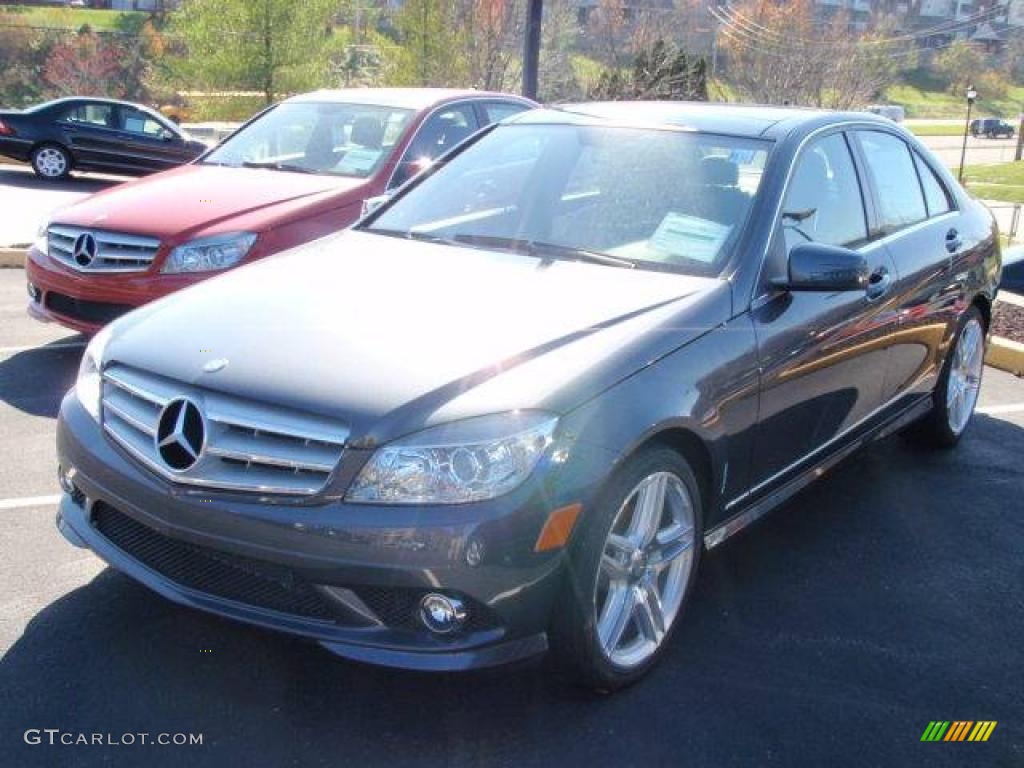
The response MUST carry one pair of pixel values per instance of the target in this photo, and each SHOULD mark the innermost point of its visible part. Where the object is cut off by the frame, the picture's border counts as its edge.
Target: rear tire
(630, 572)
(51, 162)
(956, 392)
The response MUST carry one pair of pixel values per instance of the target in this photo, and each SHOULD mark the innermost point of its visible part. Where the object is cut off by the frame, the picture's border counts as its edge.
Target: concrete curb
(13, 257)
(1006, 355)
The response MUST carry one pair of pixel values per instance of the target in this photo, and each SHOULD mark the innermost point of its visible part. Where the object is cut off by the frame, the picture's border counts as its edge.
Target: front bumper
(85, 302)
(172, 540)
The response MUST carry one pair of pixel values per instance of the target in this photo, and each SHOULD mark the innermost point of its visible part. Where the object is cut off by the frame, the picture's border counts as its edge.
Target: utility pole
(531, 48)
(1020, 136)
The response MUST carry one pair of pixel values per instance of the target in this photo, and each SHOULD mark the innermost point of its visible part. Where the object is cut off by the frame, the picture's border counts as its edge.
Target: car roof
(402, 98)
(747, 120)
(90, 99)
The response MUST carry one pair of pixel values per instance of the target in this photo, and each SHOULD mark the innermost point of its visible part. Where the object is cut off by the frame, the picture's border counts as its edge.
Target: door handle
(953, 241)
(878, 283)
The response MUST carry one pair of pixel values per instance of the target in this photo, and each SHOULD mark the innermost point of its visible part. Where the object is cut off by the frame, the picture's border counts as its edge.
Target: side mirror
(820, 267)
(371, 204)
(166, 135)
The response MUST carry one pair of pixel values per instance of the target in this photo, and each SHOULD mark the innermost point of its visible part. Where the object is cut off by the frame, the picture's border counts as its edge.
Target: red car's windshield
(317, 137)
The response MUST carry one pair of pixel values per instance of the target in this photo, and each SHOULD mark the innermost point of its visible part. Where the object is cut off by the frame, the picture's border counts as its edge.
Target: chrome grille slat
(115, 251)
(249, 446)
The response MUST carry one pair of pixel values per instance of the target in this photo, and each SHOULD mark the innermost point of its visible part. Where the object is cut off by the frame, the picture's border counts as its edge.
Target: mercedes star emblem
(180, 434)
(85, 250)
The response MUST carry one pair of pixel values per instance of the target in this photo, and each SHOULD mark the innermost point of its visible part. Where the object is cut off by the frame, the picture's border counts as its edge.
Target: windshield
(316, 137)
(623, 196)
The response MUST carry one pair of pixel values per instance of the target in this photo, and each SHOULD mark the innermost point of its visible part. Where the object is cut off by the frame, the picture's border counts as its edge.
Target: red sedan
(296, 172)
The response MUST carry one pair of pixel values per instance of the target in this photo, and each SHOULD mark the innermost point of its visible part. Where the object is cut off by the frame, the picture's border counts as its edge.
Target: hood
(383, 333)
(191, 198)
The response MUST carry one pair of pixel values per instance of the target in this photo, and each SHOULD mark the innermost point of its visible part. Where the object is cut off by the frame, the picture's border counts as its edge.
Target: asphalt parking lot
(886, 596)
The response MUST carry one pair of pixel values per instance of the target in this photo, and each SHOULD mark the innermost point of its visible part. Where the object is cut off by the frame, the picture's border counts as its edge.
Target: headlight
(88, 387)
(468, 460)
(42, 242)
(210, 253)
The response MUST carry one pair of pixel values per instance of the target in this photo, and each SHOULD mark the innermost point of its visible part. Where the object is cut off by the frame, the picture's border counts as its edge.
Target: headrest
(367, 131)
(719, 171)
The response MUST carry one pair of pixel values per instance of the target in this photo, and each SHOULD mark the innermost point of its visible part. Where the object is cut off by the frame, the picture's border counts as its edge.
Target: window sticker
(359, 160)
(690, 237)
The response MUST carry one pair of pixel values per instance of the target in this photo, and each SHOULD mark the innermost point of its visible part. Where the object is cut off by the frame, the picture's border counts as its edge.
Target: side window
(442, 131)
(101, 115)
(900, 202)
(824, 202)
(134, 121)
(935, 194)
(496, 111)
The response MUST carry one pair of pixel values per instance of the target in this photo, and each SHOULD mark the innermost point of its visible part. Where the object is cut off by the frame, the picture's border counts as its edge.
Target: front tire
(956, 393)
(51, 162)
(630, 572)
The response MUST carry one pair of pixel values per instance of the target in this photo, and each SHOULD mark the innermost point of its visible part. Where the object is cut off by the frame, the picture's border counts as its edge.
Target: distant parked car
(991, 128)
(299, 170)
(94, 135)
(890, 111)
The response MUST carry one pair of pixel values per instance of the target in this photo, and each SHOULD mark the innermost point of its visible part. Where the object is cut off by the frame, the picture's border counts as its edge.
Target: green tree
(271, 46)
(433, 41)
(959, 65)
(661, 71)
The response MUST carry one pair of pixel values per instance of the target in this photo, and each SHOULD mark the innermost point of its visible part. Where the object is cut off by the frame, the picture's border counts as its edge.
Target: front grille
(87, 311)
(112, 251)
(246, 446)
(221, 574)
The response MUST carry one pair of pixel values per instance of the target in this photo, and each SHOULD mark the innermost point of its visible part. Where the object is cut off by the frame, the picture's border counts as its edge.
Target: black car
(991, 128)
(94, 135)
(517, 402)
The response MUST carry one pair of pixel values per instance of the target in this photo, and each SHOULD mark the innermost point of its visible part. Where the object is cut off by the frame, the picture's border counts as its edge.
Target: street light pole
(531, 48)
(971, 96)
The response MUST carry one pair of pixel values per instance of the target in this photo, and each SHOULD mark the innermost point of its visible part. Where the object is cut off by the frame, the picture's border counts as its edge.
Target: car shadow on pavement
(884, 596)
(25, 179)
(35, 380)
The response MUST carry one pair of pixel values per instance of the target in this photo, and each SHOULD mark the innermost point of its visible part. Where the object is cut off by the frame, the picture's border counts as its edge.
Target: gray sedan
(512, 408)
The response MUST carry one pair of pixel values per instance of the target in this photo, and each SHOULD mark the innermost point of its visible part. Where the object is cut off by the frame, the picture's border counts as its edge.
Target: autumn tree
(85, 64)
(784, 53)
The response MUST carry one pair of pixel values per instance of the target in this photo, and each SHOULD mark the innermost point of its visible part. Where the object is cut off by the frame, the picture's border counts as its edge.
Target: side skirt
(785, 489)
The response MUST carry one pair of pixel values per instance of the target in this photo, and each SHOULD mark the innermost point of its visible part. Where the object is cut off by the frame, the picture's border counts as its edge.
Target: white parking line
(65, 345)
(995, 410)
(29, 501)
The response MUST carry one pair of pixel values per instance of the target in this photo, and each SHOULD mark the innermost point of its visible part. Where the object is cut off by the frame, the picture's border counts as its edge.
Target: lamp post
(971, 96)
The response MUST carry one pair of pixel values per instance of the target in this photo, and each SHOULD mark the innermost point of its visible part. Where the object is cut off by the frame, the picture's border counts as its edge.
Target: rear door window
(935, 194)
(101, 115)
(891, 168)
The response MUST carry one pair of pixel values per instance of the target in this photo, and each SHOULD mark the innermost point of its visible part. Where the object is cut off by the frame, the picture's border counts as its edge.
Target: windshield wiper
(538, 248)
(276, 166)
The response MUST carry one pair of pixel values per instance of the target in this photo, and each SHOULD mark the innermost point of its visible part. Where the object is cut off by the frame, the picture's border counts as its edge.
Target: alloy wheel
(51, 162)
(645, 568)
(965, 375)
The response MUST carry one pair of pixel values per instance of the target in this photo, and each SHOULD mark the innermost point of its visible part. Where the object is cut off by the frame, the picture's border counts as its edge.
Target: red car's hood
(195, 197)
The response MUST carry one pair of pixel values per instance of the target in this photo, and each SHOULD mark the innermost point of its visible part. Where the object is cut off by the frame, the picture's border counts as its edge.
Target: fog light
(442, 614)
(66, 478)
(33, 291)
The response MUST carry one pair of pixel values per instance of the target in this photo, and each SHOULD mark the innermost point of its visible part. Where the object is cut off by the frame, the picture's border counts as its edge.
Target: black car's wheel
(51, 161)
(956, 393)
(630, 571)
